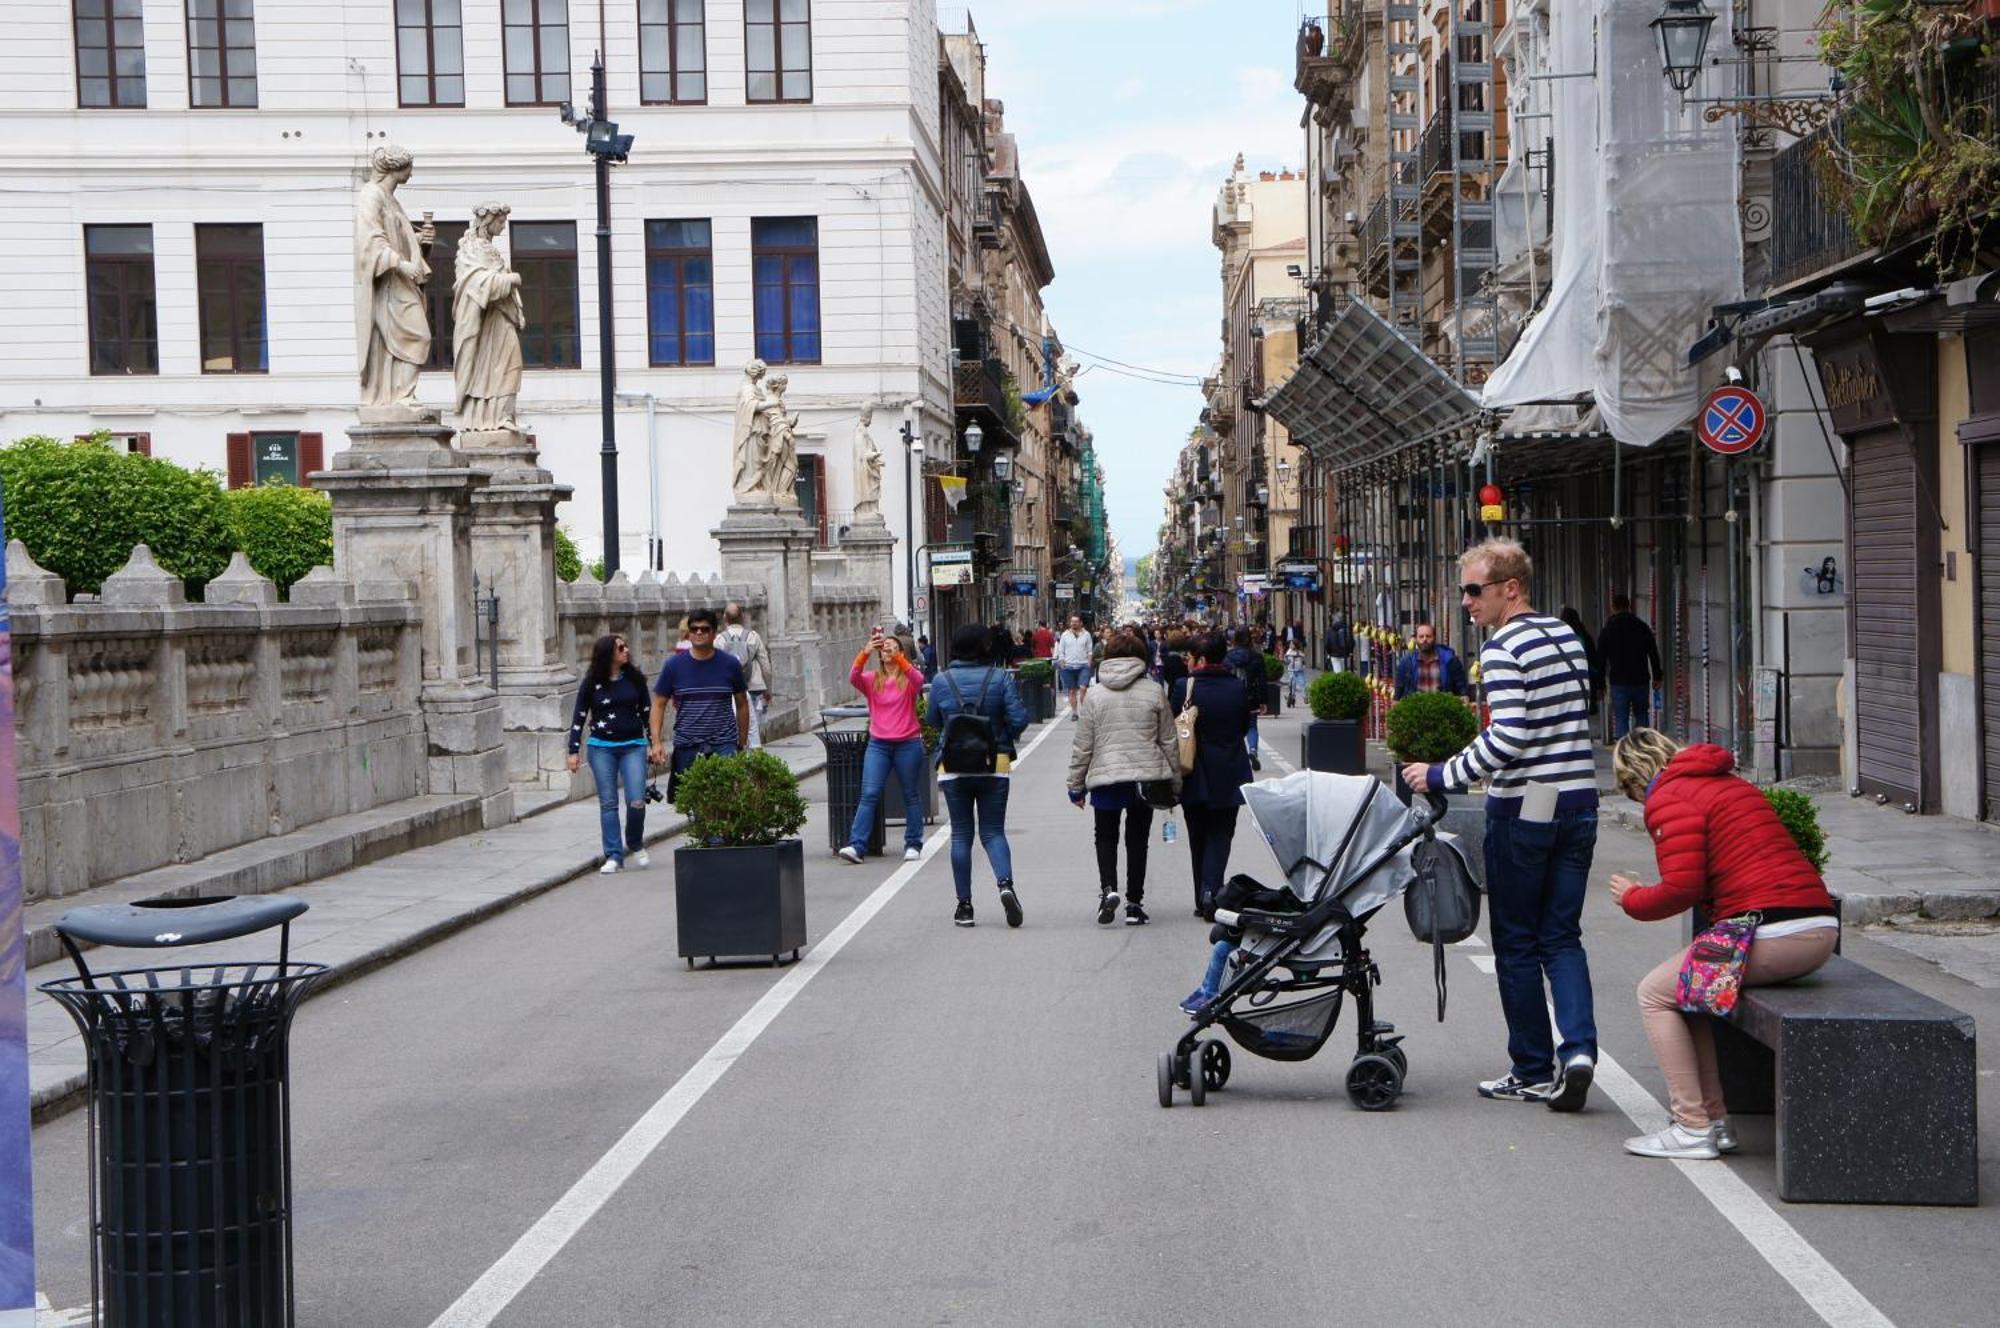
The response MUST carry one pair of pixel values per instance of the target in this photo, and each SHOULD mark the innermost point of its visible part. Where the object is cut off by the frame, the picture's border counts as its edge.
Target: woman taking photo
(612, 707)
(1212, 793)
(1125, 740)
(971, 685)
(1721, 849)
(890, 680)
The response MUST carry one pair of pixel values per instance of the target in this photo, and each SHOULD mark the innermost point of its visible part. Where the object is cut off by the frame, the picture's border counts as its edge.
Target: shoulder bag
(1184, 739)
(1712, 971)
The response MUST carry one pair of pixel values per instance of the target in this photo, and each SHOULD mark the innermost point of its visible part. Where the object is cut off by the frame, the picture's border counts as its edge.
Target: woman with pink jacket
(892, 683)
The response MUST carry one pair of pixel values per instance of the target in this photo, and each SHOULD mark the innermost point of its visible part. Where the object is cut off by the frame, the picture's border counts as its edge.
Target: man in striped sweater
(1541, 825)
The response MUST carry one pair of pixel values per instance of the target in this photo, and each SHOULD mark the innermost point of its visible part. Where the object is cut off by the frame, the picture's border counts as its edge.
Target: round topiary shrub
(1339, 696)
(569, 563)
(80, 507)
(1430, 727)
(1801, 819)
(1274, 668)
(732, 801)
(284, 530)
(1036, 670)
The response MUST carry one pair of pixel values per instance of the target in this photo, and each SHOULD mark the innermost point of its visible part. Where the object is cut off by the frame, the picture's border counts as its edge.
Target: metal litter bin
(190, 1114)
(844, 751)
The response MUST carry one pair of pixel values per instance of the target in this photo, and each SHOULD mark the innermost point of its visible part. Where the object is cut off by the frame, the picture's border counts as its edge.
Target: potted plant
(1036, 678)
(1801, 820)
(1333, 741)
(740, 874)
(892, 792)
(1274, 677)
(1428, 727)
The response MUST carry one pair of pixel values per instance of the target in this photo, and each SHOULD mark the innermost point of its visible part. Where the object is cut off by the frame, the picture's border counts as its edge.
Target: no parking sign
(1732, 420)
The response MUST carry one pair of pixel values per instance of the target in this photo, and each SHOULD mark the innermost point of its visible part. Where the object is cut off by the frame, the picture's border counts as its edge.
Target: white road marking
(498, 1286)
(1482, 962)
(1283, 764)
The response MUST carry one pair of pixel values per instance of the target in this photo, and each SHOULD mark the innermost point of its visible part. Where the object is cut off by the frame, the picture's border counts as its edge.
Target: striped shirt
(1537, 681)
(704, 694)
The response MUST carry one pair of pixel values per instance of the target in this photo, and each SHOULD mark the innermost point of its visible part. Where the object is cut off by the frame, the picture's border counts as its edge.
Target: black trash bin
(844, 751)
(190, 1114)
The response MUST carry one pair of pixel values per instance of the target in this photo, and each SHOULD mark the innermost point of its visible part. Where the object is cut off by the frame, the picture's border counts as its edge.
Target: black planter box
(1336, 746)
(740, 901)
(892, 795)
(1274, 697)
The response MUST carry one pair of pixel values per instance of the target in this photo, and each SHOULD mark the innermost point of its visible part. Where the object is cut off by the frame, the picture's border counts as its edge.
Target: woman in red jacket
(1721, 848)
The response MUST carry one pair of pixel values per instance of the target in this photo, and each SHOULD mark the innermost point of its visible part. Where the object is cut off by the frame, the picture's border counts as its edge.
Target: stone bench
(1874, 1086)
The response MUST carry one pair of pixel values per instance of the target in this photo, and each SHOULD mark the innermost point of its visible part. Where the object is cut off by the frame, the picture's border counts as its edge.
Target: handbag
(1158, 793)
(1712, 972)
(1184, 739)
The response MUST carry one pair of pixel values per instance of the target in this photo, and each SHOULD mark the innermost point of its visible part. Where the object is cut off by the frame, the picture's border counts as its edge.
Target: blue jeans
(1218, 960)
(907, 757)
(1629, 709)
(612, 766)
(983, 797)
(1536, 875)
(1250, 738)
(1070, 679)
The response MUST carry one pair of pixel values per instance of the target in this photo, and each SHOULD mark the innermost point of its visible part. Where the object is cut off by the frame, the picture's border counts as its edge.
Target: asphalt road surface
(550, 1121)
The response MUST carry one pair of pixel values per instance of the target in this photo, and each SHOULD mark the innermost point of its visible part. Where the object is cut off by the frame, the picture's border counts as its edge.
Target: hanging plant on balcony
(1919, 142)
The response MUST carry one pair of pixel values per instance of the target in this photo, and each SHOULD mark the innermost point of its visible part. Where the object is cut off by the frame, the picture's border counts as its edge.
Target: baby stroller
(1346, 847)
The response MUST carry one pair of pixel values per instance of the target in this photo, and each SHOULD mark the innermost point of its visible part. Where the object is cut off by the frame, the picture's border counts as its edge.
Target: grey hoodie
(1126, 731)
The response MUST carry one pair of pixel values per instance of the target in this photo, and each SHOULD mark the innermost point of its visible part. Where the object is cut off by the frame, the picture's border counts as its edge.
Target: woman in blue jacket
(972, 685)
(1212, 793)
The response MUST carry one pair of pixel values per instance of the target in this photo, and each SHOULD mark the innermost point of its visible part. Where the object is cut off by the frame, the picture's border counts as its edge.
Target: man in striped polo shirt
(1541, 825)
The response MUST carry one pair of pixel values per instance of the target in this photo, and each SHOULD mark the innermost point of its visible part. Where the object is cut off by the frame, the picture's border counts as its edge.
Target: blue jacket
(958, 687)
(1221, 761)
(1451, 673)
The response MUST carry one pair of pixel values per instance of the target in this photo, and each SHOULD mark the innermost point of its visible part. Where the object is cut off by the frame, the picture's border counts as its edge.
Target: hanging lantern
(1491, 506)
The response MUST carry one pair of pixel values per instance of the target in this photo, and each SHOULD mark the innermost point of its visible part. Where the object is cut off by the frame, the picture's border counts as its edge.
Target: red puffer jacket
(1719, 845)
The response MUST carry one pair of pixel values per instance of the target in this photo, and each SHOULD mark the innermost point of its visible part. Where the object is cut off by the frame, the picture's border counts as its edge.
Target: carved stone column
(870, 549)
(773, 546)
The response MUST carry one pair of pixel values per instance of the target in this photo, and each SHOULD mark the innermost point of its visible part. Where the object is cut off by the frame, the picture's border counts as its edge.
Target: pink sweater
(892, 700)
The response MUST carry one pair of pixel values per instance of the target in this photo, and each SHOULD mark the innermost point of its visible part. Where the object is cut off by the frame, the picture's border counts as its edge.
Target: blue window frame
(784, 263)
(680, 293)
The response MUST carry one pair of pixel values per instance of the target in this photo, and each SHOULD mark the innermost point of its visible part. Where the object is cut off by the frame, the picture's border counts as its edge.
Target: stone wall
(844, 612)
(153, 731)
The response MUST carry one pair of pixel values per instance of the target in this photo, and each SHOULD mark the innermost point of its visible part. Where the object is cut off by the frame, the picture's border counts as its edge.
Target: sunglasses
(699, 627)
(1474, 589)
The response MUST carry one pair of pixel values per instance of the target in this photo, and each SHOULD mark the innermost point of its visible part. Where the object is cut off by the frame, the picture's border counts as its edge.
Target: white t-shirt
(1073, 649)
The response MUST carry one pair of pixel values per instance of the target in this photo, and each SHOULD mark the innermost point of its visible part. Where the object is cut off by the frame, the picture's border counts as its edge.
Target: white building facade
(181, 179)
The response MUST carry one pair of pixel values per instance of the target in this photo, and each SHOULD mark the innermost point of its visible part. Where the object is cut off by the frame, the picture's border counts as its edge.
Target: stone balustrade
(844, 614)
(646, 612)
(154, 731)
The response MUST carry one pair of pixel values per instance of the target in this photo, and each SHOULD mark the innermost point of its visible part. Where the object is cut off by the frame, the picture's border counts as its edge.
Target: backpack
(1442, 904)
(1340, 639)
(736, 640)
(967, 744)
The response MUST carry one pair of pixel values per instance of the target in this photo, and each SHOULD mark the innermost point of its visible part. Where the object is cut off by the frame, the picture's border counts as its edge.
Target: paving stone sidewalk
(360, 919)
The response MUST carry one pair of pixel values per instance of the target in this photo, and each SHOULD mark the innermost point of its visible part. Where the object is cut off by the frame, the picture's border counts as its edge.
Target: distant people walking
(1212, 793)
(1124, 742)
(746, 646)
(1045, 641)
(1338, 643)
(1575, 620)
(979, 714)
(892, 683)
(1430, 667)
(608, 724)
(1247, 663)
(1295, 671)
(1073, 651)
(1174, 659)
(1631, 666)
(711, 701)
(1541, 825)
(1721, 849)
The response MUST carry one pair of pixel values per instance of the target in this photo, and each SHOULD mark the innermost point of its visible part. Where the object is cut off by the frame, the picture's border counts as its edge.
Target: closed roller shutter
(1985, 431)
(1889, 688)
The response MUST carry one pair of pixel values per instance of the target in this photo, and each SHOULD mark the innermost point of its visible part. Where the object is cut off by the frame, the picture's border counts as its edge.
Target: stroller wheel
(1214, 1064)
(1166, 1078)
(1197, 1080)
(1397, 1055)
(1374, 1083)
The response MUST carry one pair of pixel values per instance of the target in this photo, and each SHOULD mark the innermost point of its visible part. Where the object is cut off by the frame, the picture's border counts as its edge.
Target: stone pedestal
(870, 547)
(402, 532)
(514, 554)
(773, 545)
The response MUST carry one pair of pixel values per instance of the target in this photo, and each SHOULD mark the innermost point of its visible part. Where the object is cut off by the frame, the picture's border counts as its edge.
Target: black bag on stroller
(1442, 904)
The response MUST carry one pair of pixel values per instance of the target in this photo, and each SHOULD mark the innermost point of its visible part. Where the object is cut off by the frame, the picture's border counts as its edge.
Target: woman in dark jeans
(978, 803)
(1212, 793)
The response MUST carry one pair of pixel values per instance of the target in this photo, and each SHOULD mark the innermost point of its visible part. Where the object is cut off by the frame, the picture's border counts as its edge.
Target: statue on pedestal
(486, 326)
(781, 463)
(867, 467)
(752, 437)
(392, 334)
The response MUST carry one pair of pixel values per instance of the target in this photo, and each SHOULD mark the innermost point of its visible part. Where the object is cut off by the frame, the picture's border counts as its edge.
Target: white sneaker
(1675, 1141)
(641, 859)
(913, 855)
(850, 854)
(1724, 1135)
(610, 867)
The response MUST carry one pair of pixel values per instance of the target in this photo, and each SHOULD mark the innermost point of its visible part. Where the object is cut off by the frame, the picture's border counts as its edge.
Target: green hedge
(80, 507)
(744, 798)
(1274, 668)
(569, 563)
(1338, 696)
(1430, 727)
(1801, 819)
(286, 531)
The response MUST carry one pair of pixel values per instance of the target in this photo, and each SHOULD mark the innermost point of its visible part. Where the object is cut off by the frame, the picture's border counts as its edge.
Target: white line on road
(1482, 962)
(496, 1289)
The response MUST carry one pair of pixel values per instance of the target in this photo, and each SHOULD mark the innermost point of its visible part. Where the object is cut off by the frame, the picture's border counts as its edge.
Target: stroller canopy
(1323, 827)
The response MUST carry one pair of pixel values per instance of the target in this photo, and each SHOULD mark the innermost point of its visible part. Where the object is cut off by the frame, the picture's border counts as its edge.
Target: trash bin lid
(844, 712)
(157, 923)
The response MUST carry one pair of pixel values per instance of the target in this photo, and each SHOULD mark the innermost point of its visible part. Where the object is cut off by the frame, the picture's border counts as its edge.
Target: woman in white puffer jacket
(1124, 740)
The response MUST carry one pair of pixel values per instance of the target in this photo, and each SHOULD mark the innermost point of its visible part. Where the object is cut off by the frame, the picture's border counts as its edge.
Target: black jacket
(1221, 762)
(1628, 650)
(618, 710)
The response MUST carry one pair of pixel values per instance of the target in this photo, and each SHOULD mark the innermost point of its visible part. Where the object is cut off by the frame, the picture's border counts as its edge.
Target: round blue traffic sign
(1732, 420)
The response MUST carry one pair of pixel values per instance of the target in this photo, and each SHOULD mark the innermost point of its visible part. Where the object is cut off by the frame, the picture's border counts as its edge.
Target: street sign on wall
(1732, 420)
(1065, 589)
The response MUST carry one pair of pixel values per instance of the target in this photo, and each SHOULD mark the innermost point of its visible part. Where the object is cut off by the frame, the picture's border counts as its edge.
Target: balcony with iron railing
(1809, 231)
(1328, 51)
(979, 391)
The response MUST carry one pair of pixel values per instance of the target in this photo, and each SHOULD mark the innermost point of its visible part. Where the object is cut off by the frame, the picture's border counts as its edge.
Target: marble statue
(781, 466)
(752, 437)
(867, 467)
(486, 326)
(392, 334)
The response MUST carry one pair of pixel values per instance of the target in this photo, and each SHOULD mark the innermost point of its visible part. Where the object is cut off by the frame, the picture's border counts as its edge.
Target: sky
(1129, 115)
